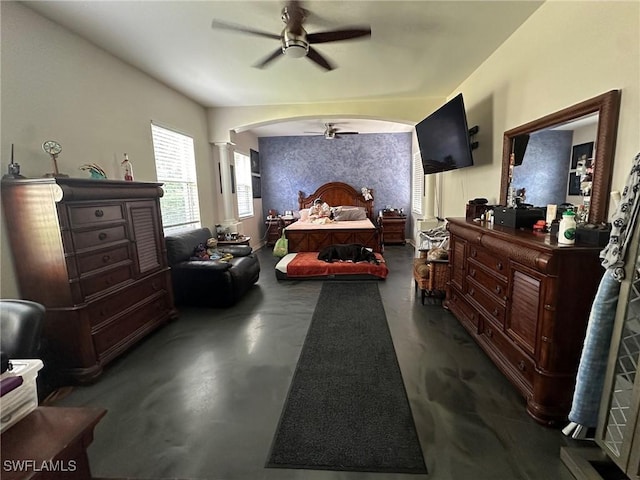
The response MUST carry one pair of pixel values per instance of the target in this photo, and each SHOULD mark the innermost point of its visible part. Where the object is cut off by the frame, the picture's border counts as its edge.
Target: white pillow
(304, 215)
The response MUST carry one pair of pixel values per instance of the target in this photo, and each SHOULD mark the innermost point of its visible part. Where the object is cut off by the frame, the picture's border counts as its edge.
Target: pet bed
(306, 266)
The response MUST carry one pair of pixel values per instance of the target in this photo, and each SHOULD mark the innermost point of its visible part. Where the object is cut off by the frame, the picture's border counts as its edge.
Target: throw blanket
(595, 352)
(623, 223)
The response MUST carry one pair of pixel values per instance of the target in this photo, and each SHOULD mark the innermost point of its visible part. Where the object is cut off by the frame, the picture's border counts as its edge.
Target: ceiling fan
(295, 41)
(331, 132)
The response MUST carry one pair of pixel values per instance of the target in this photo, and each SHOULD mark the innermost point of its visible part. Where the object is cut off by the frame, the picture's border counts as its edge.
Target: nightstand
(274, 228)
(393, 228)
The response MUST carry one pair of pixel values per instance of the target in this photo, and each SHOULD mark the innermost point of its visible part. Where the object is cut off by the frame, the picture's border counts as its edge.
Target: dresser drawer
(519, 364)
(102, 310)
(105, 279)
(496, 285)
(86, 215)
(490, 260)
(98, 237)
(463, 311)
(92, 261)
(494, 308)
(118, 332)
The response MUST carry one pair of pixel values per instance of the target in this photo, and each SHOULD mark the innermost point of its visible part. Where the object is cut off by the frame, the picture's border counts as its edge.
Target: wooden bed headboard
(336, 194)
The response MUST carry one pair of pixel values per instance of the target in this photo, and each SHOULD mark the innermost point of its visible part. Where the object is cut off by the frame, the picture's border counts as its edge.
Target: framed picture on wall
(574, 184)
(255, 186)
(255, 161)
(584, 151)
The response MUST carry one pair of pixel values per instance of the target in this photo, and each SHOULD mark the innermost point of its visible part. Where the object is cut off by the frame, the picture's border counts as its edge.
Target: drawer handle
(99, 213)
(103, 312)
(102, 236)
(108, 281)
(472, 292)
(489, 333)
(474, 253)
(499, 266)
(495, 312)
(155, 285)
(498, 289)
(521, 366)
(106, 258)
(472, 273)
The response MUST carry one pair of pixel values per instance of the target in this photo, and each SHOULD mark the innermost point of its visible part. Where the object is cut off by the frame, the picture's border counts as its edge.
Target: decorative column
(225, 152)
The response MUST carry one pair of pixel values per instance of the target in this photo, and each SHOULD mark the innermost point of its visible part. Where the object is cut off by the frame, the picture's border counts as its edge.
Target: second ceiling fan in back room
(331, 132)
(294, 39)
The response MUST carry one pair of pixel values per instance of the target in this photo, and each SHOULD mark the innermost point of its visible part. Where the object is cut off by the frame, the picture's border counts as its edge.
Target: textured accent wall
(545, 168)
(378, 161)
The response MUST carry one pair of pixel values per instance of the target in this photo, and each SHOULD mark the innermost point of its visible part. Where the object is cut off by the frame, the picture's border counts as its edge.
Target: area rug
(347, 408)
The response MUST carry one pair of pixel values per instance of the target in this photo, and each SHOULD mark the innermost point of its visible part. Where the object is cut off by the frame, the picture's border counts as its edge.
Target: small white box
(18, 403)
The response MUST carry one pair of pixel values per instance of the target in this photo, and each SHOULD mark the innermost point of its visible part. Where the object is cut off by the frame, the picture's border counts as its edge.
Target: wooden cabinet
(526, 301)
(92, 252)
(274, 228)
(393, 228)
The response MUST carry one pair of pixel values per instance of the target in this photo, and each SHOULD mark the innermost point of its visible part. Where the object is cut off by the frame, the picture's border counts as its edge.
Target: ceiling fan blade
(216, 24)
(339, 35)
(263, 63)
(314, 56)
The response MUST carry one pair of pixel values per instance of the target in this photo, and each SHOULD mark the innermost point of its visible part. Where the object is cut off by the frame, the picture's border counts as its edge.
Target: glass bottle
(127, 169)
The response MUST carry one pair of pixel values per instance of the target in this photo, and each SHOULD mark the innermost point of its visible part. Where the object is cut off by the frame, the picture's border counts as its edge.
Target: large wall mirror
(564, 157)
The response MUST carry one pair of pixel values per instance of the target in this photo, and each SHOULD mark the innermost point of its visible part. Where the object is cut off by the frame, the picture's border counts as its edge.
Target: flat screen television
(443, 138)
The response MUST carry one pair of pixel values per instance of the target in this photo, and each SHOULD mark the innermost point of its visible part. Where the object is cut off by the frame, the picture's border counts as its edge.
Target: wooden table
(49, 443)
(237, 241)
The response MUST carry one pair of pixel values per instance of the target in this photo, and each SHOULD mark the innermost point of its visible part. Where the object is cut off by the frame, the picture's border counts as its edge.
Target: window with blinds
(244, 193)
(176, 169)
(417, 179)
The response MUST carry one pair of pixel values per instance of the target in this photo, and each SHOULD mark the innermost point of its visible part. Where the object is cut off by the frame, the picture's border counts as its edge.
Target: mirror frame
(607, 106)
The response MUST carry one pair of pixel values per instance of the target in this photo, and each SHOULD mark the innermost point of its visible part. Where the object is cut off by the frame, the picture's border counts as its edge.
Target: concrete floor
(201, 397)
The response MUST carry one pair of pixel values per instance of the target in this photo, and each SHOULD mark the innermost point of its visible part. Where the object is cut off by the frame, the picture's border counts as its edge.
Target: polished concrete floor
(201, 397)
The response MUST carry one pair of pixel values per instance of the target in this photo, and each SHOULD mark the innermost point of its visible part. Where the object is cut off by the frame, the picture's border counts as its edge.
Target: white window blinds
(244, 191)
(176, 168)
(417, 190)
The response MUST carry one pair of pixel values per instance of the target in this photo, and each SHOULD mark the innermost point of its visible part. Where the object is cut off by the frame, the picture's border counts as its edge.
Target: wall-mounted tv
(443, 138)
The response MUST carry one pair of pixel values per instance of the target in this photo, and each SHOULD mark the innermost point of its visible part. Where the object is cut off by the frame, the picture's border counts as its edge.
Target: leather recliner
(21, 323)
(210, 283)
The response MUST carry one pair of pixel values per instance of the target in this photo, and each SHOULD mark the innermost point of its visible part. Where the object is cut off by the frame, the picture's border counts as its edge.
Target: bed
(310, 237)
(306, 266)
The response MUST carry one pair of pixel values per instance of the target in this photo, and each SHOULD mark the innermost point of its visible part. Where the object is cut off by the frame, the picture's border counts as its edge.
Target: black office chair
(21, 324)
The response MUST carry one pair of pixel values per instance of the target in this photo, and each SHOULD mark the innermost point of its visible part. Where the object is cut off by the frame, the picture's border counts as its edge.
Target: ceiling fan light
(295, 50)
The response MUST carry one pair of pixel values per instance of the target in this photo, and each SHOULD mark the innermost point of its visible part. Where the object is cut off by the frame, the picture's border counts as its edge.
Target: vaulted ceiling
(418, 48)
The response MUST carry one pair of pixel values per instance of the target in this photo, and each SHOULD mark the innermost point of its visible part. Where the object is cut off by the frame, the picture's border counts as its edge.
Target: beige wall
(57, 86)
(565, 52)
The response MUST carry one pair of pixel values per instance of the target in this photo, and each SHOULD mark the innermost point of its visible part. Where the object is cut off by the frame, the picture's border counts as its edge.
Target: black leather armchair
(21, 324)
(210, 283)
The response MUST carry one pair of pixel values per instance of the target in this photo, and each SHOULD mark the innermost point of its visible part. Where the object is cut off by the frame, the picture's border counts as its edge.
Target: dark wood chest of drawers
(92, 252)
(526, 301)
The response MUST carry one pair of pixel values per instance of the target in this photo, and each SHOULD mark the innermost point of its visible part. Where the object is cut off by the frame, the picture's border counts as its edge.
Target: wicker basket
(431, 277)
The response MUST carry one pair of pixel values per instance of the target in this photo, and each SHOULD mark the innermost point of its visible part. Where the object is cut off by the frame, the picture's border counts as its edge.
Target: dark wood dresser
(93, 253)
(526, 301)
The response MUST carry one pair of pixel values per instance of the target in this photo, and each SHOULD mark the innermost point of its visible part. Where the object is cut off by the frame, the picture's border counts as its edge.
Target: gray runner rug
(347, 408)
